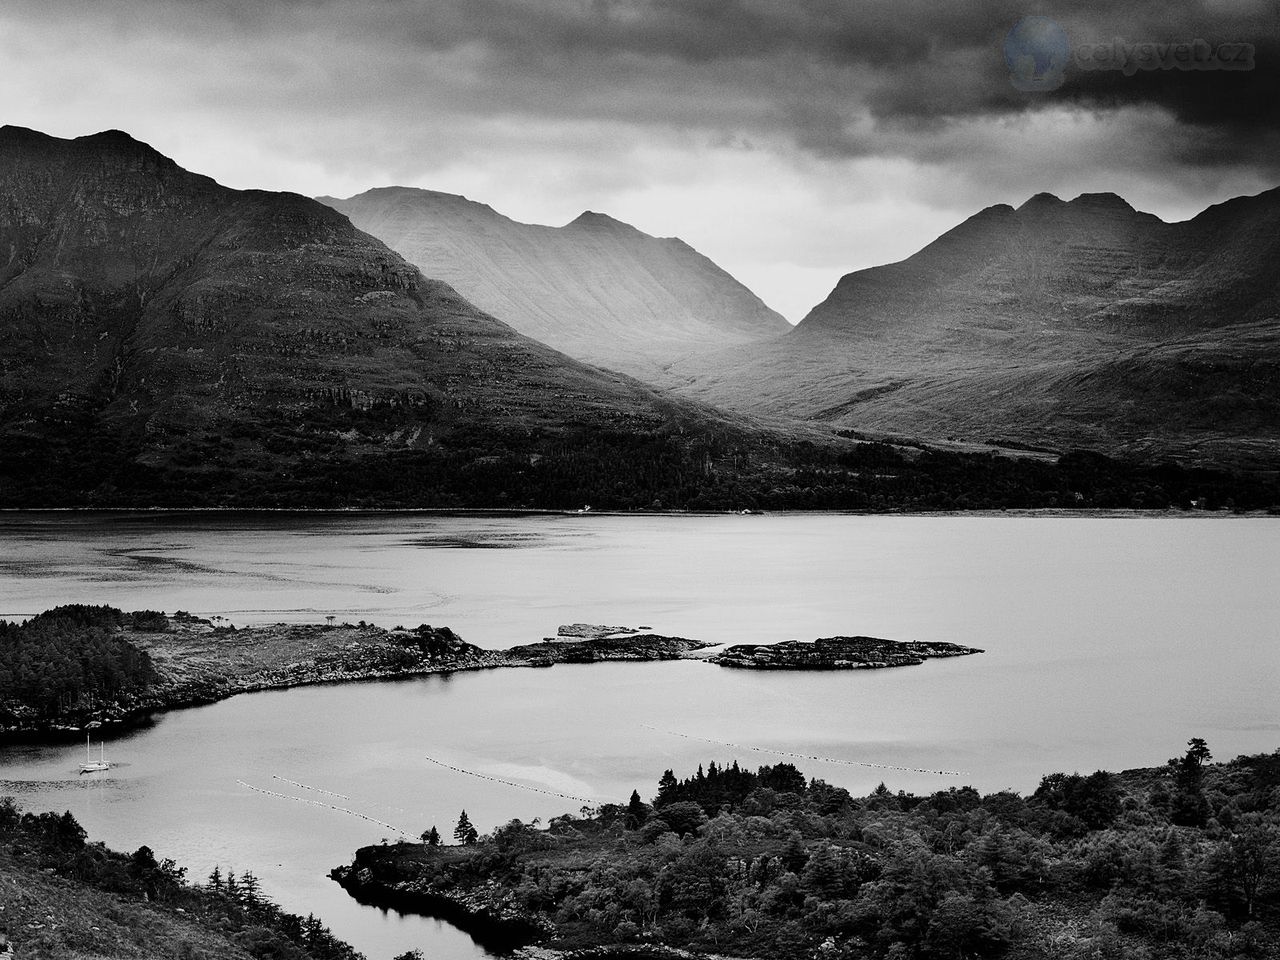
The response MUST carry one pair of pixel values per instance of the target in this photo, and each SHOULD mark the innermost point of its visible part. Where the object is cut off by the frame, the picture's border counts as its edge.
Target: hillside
(597, 289)
(1061, 324)
(64, 898)
(166, 339)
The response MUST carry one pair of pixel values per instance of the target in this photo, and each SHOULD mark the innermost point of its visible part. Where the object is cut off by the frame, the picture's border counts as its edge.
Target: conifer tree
(464, 832)
(637, 811)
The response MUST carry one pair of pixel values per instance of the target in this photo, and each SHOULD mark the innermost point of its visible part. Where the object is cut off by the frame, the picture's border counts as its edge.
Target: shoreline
(1118, 513)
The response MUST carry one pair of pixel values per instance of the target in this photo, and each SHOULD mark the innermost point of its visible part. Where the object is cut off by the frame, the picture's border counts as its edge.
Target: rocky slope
(836, 653)
(596, 288)
(162, 336)
(1082, 323)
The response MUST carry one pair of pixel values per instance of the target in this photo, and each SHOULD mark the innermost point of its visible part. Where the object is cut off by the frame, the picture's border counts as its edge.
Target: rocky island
(836, 653)
(591, 643)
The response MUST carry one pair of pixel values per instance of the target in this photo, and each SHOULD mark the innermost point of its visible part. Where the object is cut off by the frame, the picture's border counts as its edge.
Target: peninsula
(80, 666)
(77, 667)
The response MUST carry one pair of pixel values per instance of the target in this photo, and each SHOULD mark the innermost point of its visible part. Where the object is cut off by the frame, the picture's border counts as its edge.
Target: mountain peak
(1043, 201)
(115, 146)
(590, 220)
(10, 133)
(414, 198)
(1103, 201)
(110, 136)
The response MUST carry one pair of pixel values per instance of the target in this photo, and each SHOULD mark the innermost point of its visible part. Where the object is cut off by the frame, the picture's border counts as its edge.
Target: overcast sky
(789, 140)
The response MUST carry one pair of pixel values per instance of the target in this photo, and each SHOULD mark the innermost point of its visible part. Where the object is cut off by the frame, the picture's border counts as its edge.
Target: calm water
(1110, 642)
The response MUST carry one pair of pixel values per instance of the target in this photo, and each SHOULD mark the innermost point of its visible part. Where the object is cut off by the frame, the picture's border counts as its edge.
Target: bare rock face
(596, 288)
(154, 324)
(1080, 323)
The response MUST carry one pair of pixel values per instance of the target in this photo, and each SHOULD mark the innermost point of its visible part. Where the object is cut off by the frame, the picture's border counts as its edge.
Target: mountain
(597, 289)
(166, 339)
(1060, 324)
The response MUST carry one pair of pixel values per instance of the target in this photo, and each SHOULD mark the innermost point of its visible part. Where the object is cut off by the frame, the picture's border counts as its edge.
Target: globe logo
(1037, 51)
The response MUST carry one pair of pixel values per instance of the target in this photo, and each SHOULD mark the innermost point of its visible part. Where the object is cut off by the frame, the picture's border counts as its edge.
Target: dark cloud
(813, 69)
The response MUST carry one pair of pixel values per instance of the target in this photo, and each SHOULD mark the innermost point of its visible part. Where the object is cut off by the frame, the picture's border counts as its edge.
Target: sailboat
(91, 765)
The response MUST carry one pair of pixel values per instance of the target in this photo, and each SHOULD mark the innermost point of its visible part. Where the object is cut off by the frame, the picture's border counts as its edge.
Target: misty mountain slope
(597, 289)
(150, 317)
(1058, 323)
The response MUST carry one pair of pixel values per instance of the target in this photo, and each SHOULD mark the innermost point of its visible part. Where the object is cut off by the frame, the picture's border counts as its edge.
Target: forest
(70, 659)
(300, 460)
(223, 913)
(1179, 862)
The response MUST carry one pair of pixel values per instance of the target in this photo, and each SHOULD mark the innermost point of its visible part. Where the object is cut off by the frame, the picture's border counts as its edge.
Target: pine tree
(464, 832)
(667, 785)
(215, 878)
(250, 887)
(637, 811)
(431, 837)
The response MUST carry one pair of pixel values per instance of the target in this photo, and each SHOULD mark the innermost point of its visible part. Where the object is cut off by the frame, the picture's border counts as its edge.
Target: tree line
(299, 458)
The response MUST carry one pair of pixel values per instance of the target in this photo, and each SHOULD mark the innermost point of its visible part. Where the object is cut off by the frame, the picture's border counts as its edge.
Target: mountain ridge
(1060, 323)
(159, 329)
(596, 288)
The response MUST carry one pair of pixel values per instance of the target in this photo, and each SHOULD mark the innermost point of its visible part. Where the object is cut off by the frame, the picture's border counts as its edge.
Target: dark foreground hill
(166, 339)
(1058, 324)
(596, 288)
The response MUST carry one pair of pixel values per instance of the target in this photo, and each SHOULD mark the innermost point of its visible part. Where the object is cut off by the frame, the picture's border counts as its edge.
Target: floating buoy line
(326, 806)
(509, 783)
(806, 756)
(303, 786)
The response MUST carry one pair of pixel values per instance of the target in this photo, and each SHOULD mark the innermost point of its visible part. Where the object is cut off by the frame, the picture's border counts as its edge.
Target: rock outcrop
(592, 631)
(836, 653)
(644, 646)
(487, 911)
